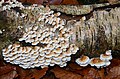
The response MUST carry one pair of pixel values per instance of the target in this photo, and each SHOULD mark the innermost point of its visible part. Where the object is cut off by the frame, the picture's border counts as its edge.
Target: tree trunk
(98, 33)
(93, 35)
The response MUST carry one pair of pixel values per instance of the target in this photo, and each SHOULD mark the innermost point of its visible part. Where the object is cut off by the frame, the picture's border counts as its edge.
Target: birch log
(99, 33)
(93, 36)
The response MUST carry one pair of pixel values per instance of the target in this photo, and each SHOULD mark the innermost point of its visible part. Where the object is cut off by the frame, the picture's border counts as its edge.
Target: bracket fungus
(49, 40)
(9, 4)
(98, 62)
(83, 61)
(106, 57)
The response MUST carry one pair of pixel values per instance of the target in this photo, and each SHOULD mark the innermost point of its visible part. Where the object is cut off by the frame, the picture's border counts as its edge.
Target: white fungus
(49, 43)
(97, 62)
(105, 57)
(108, 52)
(83, 61)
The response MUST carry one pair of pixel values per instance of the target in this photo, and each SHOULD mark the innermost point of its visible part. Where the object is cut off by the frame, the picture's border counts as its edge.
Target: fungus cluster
(46, 42)
(30, 57)
(9, 4)
(83, 61)
(102, 61)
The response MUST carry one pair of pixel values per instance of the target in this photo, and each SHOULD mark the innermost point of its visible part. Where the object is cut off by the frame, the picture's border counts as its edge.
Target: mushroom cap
(10, 46)
(83, 61)
(35, 28)
(35, 42)
(63, 64)
(108, 52)
(97, 62)
(16, 45)
(105, 57)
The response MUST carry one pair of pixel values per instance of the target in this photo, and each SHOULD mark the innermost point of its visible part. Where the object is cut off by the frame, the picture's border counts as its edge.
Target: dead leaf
(49, 75)
(22, 73)
(115, 62)
(69, 2)
(10, 75)
(94, 74)
(32, 1)
(102, 73)
(75, 66)
(64, 74)
(7, 68)
(78, 69)
(113, 70)
(31, 73)
(85, 71)
(113, 73)
(55, 2)
(2, 63)
(37, 74)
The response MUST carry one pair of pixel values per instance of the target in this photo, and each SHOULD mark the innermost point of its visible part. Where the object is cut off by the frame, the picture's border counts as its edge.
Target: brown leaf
(22, 73)
(85, 71)
(31, 73)
(55, 2)
(102, 73)
(113, 73)
(94, 74)
(74, 66)
(78, 69)
(64, 74)
(37, 74)
(91, 74)
(2, 63)
(10, 75)
(33, 1)
(115, 62)
(69, 2)
(7, 68)
(49, 75)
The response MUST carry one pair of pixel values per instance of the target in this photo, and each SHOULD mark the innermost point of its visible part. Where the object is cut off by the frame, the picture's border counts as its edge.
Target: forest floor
(71, 71)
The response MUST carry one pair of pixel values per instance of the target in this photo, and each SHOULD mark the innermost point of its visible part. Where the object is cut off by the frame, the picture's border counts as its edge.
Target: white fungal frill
(48, 42)
(97, 62)
(83, 61)
(10, 4)
(105, 57)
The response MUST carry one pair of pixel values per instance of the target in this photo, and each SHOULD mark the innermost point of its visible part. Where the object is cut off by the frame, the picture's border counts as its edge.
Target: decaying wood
(99, 33)
(92, 35)
(80, 9)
